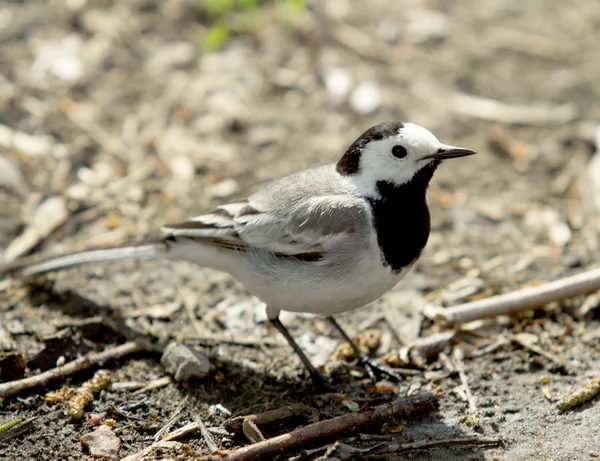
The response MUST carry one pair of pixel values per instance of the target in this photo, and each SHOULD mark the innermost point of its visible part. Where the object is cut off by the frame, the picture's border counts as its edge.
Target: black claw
(374, 369)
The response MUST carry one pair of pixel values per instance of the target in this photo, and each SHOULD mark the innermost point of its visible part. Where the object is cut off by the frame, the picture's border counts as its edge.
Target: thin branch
(83, 363)
(154, 384)
(208, 438)
(187, 429)
(325, 431)
(527, 298)
(489, 109)
(176, 416)
(210, 339)
(460, 366)
(389, 448)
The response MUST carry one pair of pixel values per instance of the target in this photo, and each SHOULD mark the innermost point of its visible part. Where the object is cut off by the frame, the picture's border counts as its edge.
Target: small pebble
(559, 234)
(170, 56)
(366, 98)
(223, 189)
(338, 83)
(102, 443)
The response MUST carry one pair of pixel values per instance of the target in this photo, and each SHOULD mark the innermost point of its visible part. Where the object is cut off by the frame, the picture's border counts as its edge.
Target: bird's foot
(375, 369)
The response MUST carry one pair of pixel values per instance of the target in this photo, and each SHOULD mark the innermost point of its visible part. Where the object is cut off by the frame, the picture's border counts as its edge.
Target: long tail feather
(35, 265)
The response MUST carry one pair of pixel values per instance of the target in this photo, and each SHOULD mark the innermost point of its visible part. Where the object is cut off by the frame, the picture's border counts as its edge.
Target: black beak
(447, 152)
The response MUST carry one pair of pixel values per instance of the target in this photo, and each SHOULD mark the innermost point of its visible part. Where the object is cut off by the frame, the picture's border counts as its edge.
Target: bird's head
(394, 153)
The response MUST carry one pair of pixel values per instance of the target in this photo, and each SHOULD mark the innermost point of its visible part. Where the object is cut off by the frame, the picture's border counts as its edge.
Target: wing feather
(308, 227)
(303, 214)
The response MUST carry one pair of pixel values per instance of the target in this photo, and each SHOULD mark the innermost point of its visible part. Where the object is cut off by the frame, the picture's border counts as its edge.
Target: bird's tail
(39, 265)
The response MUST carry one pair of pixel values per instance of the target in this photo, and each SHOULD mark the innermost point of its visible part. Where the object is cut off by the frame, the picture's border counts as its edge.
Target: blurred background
(152, 111)
(119, 116)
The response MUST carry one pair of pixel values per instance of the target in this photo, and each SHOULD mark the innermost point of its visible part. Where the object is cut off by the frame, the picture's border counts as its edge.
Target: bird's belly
(324, 289)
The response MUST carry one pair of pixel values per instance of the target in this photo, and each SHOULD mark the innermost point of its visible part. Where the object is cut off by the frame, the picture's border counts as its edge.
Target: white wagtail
(323, 241)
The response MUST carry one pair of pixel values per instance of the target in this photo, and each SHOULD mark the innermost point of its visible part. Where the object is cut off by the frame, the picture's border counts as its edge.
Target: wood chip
(50, 214)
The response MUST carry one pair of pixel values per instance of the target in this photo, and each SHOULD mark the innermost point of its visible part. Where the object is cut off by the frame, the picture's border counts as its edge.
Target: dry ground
(133, 126)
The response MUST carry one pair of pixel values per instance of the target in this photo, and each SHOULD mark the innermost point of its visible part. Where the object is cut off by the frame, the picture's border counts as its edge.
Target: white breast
(329, 287)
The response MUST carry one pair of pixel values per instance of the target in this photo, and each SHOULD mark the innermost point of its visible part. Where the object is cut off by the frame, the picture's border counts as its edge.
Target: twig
(208, 339)
(252, 432)
(331, 429)
(418, 352)
(358, 41)
(154, 384)
(527, 298)
(460, 366)
(83, 363)
(489, 109)
(522, 340)
(389, 448)
(189, 302)
(234, 425)
(208, 438)
(187, 429)
(525, 42)
(17, 430)
(426, 347)
(586, 393)
(343, 452)
(172, 420)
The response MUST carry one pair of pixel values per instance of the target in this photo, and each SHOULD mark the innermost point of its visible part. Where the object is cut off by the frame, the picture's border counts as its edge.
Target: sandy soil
(114, 111)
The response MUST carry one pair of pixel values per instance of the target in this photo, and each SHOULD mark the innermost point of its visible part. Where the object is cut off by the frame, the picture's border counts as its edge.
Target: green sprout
(227, 16)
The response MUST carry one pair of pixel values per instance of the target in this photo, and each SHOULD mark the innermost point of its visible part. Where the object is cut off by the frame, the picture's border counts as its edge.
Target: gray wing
(295, 216)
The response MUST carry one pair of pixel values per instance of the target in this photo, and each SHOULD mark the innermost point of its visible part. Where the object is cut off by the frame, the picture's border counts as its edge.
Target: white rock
(182, 167)
(218, 410)
(59, 59)
(366, 98)
(547, 223)
(25, 142)
(559, 234)
(338, 83)
(223, 189)
(170, 56)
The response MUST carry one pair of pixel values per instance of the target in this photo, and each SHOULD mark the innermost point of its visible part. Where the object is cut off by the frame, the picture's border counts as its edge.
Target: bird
(324, 241)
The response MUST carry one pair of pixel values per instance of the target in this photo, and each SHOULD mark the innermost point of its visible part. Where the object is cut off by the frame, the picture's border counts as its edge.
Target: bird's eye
(399, 151)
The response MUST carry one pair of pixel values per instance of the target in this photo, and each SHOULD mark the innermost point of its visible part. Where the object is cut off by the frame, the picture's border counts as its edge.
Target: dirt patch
(113, 109)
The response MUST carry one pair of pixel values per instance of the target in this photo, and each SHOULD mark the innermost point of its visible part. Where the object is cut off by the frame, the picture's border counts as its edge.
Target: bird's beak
(446, 152)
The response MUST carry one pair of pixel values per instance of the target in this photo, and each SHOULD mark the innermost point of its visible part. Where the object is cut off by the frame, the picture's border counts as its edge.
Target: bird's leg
(370, 365)
(317, 378)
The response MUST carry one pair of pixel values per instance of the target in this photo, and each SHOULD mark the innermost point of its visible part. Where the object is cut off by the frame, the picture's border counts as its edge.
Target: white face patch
(377, 163)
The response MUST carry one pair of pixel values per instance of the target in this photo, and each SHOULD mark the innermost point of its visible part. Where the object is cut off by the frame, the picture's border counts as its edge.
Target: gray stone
(185, 363)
